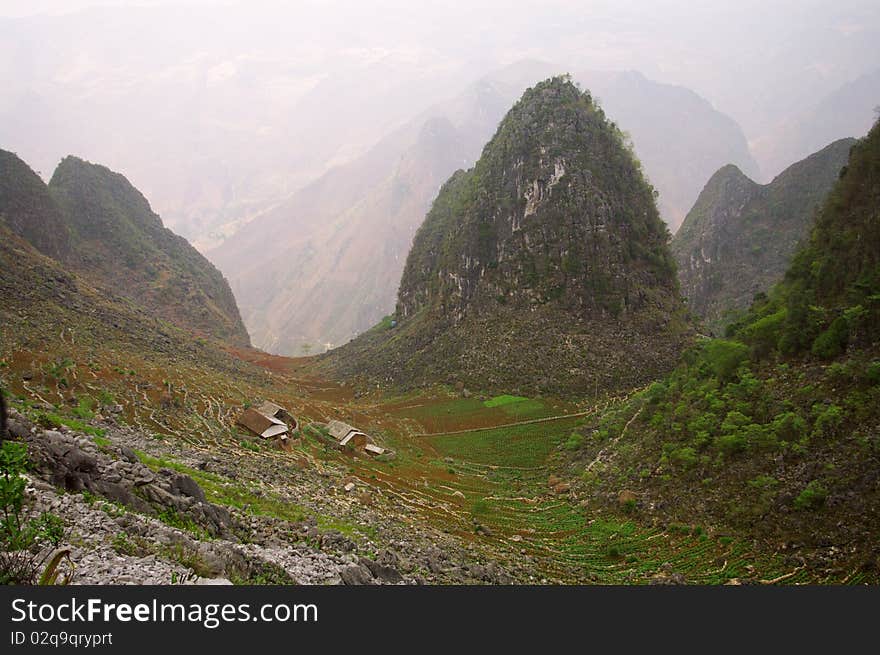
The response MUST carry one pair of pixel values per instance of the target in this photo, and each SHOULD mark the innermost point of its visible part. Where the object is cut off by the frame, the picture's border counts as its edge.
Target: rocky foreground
(130, 523)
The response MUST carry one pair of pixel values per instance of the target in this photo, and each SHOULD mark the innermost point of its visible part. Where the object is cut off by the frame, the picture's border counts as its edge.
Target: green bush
(575, 441)
(763, 482)
(724, 357)
(685, 457)
(657, 392)
(732, 443)
(828, 419)
(84, 408)
(760, 436)
(734, 420)
(813, 496)
(764, 333)
(788, 426)
(832, 342)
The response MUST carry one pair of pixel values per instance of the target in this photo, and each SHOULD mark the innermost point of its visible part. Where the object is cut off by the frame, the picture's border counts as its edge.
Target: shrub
(249, 445)
(813, 495)
(732, 443)
(685, 457)
(764, 333)
(789, 426)
(763, 482)
(832, 342)
(760, 436)
(724, 357)
(23, 543)
(827, 420)
(575, 441)
(84, 408)
(657, 392)
(873, 372)
(734, 420)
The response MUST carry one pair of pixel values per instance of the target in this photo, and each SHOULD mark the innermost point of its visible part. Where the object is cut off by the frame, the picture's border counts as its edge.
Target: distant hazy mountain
(848, 111)
(96, 224)
(324, 265)
(215, 113)
(739, 237)
(545, 267)
(679, 137)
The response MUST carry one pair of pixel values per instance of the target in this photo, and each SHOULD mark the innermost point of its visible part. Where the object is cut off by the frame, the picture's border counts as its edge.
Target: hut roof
(339, 430)
(262, 425)
(269, 408)
(352, 437)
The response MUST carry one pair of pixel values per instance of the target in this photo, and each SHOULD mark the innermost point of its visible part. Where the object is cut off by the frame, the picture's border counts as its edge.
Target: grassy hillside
(772, 432)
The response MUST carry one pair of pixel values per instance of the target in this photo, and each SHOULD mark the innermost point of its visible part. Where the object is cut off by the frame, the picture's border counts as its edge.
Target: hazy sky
(204, 101)
(34, 7)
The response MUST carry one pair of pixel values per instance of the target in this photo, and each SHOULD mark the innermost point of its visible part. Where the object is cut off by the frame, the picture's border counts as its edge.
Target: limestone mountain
(831, 291)
(97, 225)
(324, 265)
(545, 267)
(739, 237)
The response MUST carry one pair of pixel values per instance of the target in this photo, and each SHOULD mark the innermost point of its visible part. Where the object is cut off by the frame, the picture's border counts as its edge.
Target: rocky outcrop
(75, 464)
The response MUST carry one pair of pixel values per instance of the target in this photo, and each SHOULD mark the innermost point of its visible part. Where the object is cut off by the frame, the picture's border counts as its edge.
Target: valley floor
(471, 495)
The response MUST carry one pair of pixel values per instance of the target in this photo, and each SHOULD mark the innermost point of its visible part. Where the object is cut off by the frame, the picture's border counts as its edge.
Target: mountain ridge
(739, 237)
(94, 223)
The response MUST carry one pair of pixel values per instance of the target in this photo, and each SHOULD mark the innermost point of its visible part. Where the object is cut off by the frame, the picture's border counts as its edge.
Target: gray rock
(356, 575)
(335, 540)
(18, 430)
(128, 454)
(183, 484)
(381, 572)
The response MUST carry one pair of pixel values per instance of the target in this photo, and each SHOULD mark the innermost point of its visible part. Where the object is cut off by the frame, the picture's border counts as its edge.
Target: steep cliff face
(739, 237)
(544, 267)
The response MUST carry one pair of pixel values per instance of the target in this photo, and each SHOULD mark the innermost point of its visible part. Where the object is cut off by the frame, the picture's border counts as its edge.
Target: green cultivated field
(518, 446)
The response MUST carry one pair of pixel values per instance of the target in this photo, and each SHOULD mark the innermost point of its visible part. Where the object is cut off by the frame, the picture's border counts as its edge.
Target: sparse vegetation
(23, 541)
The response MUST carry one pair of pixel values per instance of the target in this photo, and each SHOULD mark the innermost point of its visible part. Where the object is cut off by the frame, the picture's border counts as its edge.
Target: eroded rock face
(554, 238)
